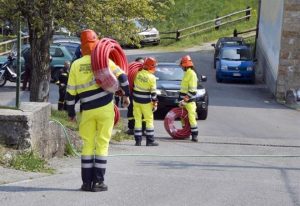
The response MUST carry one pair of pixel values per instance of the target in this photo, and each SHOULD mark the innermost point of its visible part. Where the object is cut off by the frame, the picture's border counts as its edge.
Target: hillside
(185, 13)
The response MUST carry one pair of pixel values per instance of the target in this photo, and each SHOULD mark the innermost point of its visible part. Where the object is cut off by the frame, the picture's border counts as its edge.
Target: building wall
(269, 42)
(289, 61)
(278, 46)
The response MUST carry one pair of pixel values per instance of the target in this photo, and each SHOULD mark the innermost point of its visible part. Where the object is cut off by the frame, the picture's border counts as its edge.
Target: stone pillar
(29, 128)
(289, 62)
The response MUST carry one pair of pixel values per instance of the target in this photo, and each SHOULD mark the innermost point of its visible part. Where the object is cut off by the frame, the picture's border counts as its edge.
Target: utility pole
(18, 64)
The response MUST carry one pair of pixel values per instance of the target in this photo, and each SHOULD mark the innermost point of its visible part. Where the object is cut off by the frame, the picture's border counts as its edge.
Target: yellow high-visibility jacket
(82, 82)
(189, 85)
(144, 90)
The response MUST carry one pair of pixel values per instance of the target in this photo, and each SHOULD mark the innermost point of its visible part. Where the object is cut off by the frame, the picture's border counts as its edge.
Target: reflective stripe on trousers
(192, 115)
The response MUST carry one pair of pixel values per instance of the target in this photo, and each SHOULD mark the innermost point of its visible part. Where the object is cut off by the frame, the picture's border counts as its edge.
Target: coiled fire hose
(133, 68)
(172, 115)
(104, 50)
(117, 114)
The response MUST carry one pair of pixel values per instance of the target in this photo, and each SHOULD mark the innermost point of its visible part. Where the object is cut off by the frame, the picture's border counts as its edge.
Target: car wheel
(2, 80)
(202, 114)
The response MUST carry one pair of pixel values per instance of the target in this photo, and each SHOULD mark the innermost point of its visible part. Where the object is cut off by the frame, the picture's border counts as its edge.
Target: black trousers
(61, 99)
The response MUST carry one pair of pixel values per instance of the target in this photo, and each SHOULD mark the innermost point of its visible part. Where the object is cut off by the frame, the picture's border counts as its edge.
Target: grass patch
(63, 118)
(120, 132)
(188, 13)
(30, 161)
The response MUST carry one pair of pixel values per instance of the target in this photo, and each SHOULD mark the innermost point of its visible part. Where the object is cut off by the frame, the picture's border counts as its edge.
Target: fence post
(235, 33)
(248, 13)
(217, 23)
(177, 35)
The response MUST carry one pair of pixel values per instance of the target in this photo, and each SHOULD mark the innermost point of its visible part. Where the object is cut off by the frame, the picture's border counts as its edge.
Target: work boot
(99, 187)
(130, 132)
(138, 143)
(86, 187)
(194, 138)
(152, 143)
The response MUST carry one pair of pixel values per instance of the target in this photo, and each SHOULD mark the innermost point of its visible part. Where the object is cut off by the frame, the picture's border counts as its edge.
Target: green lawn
(188, 13)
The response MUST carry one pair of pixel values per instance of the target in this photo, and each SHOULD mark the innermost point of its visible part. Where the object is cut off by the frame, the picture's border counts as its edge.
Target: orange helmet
(150, 64)
(186, 61)
(88, 39)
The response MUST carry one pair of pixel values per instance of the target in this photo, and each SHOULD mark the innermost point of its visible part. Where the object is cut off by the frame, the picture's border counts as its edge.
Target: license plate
(236, 74)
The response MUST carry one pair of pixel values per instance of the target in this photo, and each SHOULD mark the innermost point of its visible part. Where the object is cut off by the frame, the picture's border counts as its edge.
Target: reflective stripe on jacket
(189, 85)
(82, 82)
(144, 90)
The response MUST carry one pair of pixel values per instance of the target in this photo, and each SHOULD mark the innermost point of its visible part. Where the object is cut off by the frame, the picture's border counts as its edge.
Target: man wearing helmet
(97, 117)
(188, 91)
(145, 102)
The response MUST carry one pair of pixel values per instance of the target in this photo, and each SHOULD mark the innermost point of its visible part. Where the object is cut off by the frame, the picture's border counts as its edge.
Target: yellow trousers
(192, 115)
(95, 129)
(140, 111)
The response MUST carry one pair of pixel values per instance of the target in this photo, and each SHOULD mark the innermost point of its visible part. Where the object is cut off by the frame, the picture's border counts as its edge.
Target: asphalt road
(241, 158)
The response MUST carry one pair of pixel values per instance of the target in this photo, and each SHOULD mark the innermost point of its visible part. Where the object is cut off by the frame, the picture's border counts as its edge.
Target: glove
(186, 98)
(182, 103)
(126, 101)
(154, 106)
(119, 92)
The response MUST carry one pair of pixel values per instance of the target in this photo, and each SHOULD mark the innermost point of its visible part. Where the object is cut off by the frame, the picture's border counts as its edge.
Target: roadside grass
(28, 161)
(187, 13)
(119, 131)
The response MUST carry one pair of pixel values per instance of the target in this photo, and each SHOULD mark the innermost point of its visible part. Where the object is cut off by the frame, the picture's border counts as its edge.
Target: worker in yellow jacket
(97, 117)
(188, 91)
(145, 102)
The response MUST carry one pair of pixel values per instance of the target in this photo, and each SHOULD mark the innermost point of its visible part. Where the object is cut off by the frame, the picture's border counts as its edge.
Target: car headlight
(161, 92)
(249, 69)
(224, 67)
(200, 92)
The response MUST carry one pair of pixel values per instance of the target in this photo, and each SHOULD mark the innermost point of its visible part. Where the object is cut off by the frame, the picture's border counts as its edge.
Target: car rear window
(236, 54)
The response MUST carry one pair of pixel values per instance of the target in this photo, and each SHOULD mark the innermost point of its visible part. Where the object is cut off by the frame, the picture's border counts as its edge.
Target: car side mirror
(255, 60)
(213, 45)
(203, 78)
(217, 58)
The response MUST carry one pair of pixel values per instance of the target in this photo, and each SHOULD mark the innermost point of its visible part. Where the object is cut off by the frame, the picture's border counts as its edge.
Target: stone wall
(289, 62)
(278, 46)
(29, 128)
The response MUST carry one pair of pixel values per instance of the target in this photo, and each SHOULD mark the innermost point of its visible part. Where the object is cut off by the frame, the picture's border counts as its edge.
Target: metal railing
(7, 46)
(207, 25)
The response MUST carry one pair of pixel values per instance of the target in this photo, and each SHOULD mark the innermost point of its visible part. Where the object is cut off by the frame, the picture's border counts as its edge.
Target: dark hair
(139, 59)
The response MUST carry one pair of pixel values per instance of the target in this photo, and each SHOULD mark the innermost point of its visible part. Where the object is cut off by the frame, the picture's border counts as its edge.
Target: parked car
(235, 62)
(169, 76)
(59, 54)
(147, 34)
(226, 41)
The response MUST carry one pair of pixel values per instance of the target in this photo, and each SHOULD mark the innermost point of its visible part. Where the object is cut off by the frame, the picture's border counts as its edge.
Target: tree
(109, 18)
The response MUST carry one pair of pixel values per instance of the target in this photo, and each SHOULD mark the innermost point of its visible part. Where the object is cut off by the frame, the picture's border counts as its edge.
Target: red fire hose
(117, 114)
(108, 49)
(133, 68)
(172, 115)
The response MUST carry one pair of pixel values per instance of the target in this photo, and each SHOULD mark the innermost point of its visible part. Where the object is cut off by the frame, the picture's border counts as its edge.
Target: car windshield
(236, 54)
(169, 73)
(139, 25)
